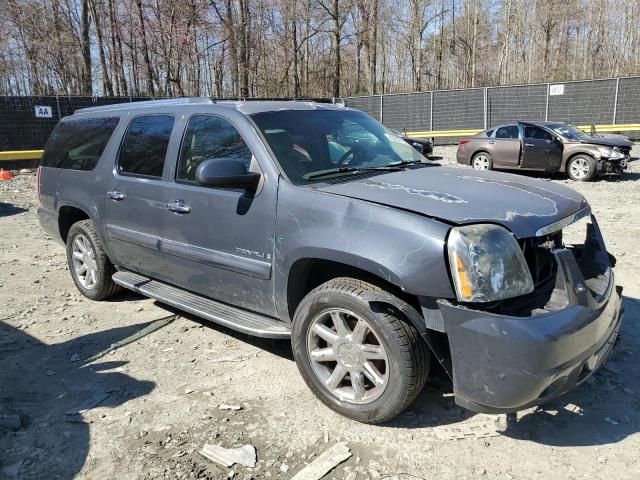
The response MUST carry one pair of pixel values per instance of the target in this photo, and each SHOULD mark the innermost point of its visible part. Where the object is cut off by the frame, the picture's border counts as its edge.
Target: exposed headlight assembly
(609, 152)
(487, 264)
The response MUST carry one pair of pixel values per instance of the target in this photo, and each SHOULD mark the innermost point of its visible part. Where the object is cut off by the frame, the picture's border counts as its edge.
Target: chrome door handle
(116, 195)
(178, 207)
(529, 145)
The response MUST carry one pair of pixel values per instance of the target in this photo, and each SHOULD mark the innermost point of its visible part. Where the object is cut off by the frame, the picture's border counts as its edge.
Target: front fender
(403, 248)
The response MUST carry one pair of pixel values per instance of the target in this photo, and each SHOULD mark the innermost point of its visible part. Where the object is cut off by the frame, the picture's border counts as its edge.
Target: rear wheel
(581, 168)
(482, 161)
(89, 265)
(366, 363)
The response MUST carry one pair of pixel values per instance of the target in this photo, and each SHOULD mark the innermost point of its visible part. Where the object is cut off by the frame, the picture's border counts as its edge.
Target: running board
(232, 317)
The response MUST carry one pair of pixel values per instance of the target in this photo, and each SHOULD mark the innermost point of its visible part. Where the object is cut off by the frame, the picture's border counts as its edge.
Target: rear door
(541, 150)
(136, 204)
(505, 146)
(219, 243)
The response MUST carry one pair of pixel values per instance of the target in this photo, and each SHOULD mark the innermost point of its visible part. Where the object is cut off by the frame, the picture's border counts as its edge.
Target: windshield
(568, 132)
(311, 144)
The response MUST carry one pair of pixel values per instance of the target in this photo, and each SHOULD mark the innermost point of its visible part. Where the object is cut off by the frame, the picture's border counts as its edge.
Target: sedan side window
(531, 131)
(209, 137)
(509, 131)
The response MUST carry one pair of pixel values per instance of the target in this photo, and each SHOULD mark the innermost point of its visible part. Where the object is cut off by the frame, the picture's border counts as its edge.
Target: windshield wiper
(333, 171)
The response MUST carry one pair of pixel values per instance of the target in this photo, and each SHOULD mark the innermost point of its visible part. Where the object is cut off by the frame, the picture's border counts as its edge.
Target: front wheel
(581, 168)
(367, 363)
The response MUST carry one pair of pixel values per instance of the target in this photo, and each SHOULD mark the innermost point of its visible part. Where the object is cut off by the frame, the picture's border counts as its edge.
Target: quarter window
(209, 137)
(145, 145)
(78, 144)
(510, 131)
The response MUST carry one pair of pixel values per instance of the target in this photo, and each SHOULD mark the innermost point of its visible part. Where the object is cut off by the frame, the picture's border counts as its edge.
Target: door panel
(222, 247)
(136, 200)
(505, 146)
(541, 150)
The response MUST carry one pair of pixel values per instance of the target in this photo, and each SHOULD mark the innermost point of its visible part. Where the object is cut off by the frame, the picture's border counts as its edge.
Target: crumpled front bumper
(505, 363)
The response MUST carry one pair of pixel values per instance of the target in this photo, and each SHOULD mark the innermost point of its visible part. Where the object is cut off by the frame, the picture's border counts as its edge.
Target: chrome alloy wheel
(84, 262)
(481, 162)
(347, 356)
(580, 168)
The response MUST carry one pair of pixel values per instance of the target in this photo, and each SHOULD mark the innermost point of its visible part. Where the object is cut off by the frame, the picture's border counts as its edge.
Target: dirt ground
(151, 405)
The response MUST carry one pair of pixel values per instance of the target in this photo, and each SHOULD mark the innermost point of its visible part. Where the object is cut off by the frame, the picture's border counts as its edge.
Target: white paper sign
(43, 111)
(556, 89)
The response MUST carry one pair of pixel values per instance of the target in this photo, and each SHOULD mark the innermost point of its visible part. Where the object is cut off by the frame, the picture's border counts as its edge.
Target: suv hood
(461, 196)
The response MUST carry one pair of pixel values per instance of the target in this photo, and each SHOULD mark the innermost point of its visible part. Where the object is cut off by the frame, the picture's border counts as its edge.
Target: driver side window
(208, 137)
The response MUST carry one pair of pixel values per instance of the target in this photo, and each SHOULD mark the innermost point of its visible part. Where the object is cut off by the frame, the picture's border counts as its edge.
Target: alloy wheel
(347, 356)
(580, 168)
(84, 262)
(481, 162)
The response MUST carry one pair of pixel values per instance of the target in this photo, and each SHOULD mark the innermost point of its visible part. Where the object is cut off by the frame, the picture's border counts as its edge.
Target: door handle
(529, 145)
(178, 207)
(116, 195)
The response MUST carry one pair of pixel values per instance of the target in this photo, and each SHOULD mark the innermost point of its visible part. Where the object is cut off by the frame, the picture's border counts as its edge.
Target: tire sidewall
(592, 168)
(81, 229)
(308, 310)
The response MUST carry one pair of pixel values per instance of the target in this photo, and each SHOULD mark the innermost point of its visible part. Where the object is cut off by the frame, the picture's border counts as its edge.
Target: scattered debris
(10, 422)
(223, 406)
(152, 327)
(326, 462)
(284, 468)
(233, 358)
(611, 421)
(470, 430)
(572, 407)
(227, 457)
(91, 402)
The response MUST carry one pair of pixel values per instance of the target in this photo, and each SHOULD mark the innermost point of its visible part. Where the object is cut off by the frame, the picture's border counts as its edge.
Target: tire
(582, 168)
(393, 345)
(82, 235)
(482, 161)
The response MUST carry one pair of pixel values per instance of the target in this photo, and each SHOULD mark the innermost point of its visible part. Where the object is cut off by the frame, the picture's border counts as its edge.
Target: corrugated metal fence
(610, 101)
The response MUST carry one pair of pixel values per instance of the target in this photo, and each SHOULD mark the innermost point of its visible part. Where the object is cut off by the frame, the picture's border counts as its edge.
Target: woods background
(313, 48)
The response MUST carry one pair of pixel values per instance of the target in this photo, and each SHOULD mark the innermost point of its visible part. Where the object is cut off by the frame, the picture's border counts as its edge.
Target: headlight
(605, 151)
(487, 264)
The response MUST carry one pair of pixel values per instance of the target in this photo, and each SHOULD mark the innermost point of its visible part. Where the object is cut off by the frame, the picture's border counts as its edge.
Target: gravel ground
(148, 407)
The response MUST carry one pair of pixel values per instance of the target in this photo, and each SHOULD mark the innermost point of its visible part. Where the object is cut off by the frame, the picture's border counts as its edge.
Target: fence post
(485, 108)
(615, 101)
(58, 107)
(546, 107)
(431, 112)
(381, 102)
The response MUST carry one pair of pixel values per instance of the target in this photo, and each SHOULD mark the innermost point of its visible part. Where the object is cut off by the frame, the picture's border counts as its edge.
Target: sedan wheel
(581, 168)
(347, 356)
(482, 161)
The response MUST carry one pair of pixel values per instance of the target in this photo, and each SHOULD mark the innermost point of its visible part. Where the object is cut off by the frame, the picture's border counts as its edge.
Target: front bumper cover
(505, 363)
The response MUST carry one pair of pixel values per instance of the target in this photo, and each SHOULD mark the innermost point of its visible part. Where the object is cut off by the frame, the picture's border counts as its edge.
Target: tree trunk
(86, 81)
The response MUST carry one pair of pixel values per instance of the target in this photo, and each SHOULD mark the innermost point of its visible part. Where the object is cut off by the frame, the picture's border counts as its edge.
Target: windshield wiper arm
(333, 171)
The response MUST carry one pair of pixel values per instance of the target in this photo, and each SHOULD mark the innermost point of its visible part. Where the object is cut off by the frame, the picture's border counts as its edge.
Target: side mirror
(226, 172)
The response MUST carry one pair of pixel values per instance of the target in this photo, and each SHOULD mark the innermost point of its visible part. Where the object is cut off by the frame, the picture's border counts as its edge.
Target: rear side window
(209, 137)
(510, 131)
(78, 144)
(531, 131)
(144, 146)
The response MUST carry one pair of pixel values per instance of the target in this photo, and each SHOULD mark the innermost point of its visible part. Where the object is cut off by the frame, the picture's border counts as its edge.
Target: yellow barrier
(21, 155)
(629, 127)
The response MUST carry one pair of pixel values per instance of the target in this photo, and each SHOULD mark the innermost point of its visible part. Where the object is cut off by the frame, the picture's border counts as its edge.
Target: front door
(136, 203)
(505, 146)
(219, 241)
(541, 150)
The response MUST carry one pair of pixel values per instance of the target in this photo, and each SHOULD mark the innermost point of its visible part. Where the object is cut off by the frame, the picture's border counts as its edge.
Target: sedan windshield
(314, 144)
(568, 132)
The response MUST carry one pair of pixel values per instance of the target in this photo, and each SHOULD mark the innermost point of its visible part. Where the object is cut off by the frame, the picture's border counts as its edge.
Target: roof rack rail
(148, 103)
(275, 99)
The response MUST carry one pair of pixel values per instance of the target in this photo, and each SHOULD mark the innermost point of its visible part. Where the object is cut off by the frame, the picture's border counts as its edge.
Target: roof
(247, 107)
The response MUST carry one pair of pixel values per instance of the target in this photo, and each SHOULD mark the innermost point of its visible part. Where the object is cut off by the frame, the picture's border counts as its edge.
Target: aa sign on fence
(556, 89)
(43, 112)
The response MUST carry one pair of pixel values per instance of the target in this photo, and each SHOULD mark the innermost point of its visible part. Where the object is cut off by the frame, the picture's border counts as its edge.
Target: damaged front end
(517, 352)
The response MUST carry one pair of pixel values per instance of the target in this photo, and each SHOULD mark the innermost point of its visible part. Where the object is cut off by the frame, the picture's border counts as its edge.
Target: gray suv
(313, 222)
